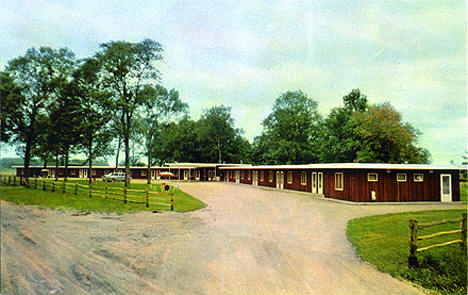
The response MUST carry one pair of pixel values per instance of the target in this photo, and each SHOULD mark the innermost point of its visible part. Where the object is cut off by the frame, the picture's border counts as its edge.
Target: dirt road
(247, 241)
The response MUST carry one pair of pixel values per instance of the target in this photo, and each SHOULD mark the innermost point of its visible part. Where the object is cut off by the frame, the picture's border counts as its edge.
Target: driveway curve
(247, 241)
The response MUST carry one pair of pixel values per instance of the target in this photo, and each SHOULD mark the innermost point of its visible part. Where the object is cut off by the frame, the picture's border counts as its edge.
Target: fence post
(412, 258)
(76, 189)
(172, 201)
(64, 187)
(147, 198)
(43, 185)
(9, 180)
(35, 183)
(53, 186)
(105, 192)
(14, 180)
(125, 195)
(89, 191)
(463, 232)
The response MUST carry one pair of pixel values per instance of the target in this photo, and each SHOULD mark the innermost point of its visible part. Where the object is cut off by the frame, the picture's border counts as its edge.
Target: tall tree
(125, 69)
(36, 74)
(11, 99)
(160, 106)
(290, 132)
(339, 143)
(218, 136)
(95, 112)
(385, 138)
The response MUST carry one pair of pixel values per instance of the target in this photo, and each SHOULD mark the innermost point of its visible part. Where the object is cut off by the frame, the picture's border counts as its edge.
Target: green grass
(183, 202)
(383, 241)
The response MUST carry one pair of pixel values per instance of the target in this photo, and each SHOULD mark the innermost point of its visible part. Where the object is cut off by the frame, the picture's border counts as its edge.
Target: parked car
(114, 176)
(167, 175)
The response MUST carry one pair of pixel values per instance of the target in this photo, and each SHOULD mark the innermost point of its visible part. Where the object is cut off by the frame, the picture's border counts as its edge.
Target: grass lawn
(183, 202)
(383, 241)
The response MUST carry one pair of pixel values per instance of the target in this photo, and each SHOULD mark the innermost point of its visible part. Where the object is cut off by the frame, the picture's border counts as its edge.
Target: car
(167, 175)
(114, 176)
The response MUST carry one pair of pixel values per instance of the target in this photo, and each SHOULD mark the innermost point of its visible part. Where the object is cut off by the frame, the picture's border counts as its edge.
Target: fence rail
(146, 197)
(413, 238)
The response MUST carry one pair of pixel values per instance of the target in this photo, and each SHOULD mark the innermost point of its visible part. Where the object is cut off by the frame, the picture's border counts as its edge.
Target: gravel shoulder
(247, 241)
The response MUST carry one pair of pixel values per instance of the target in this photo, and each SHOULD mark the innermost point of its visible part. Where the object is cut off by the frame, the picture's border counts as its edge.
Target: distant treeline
(10, 162)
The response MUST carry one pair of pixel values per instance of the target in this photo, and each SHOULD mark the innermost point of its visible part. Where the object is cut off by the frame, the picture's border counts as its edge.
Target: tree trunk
(27, 152)
(127, 159)
(118, 152)
(65, 173)
(149, 150)
(90, 159)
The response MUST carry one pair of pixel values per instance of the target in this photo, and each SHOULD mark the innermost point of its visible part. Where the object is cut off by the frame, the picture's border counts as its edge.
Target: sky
(244, 54)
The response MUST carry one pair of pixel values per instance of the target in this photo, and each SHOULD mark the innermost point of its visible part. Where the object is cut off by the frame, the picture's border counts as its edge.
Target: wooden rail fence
(414, 227)
(147, 197)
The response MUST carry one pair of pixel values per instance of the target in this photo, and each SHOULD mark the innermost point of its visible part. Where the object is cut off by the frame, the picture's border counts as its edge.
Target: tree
(125, 69)
(338, 141)
(385, 138)
(36, 74)
(95, 112)
(11, 100)
(217, 136)
(290, 132)
(160, 106)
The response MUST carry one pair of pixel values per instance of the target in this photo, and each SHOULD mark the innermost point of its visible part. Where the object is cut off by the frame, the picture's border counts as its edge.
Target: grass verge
(383, 241)
(463, 191)
(183, 202)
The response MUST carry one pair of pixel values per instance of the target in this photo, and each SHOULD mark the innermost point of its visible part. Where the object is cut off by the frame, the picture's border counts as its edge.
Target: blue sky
(246, 53)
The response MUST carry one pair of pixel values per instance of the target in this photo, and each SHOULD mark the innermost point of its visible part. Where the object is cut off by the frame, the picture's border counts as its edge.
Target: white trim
(341, 188)
(303, 177)
(314, 182)
(320, 183)
(446, 197)
(419, 180)
(373, 180)
(401, 174)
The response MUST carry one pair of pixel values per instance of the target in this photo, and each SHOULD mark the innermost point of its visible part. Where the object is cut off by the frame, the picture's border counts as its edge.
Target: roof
(98, 167)
(200, 165)
(357, 166)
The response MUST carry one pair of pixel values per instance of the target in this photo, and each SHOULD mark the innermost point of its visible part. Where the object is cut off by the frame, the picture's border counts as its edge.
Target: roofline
(354, 166)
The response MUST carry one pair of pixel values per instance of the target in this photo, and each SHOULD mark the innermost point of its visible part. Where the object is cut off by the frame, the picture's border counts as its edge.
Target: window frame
(422, 177)
(303, 177)
(289, 177)
(401, 174)
(339, 188)
(270, 176)
(262, 175)
(376, 177)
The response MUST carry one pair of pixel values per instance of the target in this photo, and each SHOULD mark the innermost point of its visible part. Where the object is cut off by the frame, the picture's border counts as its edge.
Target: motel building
(355, 182)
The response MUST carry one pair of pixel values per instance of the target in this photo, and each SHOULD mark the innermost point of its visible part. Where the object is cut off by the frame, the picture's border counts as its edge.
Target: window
(262, 175)
(93, 172)
(303, 178)
(339, 182)
(242, 174)
(314, 181)
(143, 173)
(230, 174)
(248, 175)
(289, 174)
(401, 177)
(270, 176)
(372, 177)
(418, 177)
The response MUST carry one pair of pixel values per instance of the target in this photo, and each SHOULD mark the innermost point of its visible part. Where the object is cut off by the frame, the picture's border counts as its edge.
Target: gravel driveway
(247, 241)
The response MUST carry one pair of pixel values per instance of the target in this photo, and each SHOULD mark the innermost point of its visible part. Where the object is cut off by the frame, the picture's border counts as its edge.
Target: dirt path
(247, 241)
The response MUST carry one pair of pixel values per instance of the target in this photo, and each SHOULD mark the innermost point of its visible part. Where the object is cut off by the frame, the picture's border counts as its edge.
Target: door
(186, 174)
(255, 178)
(83, 173)
(197, 175)
(320, 183)
(314, 182)
(446, 188)
(237, 176)
(226, 176)
(153, 174)
(279, 179)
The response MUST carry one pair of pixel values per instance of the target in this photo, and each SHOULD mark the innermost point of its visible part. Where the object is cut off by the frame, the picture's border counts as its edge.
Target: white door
(153, 174)
(446, 188)
(320, 183)
(237, 176)
(186, 174)
(314, 182)
(226, 175)
(255, 178)
(197, 175)
(279, 179)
